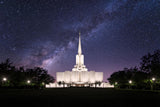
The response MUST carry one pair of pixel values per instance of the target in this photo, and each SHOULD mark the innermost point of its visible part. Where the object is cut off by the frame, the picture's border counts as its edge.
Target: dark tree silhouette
(39, 76)
(5, 71)
(150, 63)
(17, 77)
(59, 83)
(97, 83)
(121, 78)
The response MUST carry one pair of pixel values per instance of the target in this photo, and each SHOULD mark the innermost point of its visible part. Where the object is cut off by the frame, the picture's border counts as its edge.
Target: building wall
(67, 76)
(84, 76)
(60, 76)
(92, 76)
(76, 76)
(98, 76)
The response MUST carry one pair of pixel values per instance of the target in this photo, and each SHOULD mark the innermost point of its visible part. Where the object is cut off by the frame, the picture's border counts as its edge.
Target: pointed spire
(79, 46)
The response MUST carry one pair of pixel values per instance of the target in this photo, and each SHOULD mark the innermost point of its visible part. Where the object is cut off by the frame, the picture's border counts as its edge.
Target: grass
(79, 97)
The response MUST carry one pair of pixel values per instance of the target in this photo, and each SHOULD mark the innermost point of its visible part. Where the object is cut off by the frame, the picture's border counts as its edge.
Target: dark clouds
(115, 33)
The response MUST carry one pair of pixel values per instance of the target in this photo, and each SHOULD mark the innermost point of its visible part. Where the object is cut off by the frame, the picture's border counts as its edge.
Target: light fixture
(4, 79)
(130, 81)
(28, 81)
(116, 83)
(153, 79)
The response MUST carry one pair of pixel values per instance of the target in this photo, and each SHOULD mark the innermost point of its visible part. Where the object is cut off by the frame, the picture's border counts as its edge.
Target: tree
(97, 83)
(39, 76)
(5, 71)
(150, 63)
(59, 83)
(140, 79)
(121, 76)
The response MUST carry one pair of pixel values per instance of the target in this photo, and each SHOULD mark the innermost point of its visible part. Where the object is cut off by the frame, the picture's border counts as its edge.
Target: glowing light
(130, 81)
(28, 81)
(4, 79)
(116, 83)
(43, 83)
(153, 79)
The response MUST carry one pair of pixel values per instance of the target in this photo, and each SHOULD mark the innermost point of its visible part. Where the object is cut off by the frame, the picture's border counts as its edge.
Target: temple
(79, 76)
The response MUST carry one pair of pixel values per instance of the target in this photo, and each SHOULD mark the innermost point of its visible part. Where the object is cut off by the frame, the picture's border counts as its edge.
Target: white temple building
(79, 76)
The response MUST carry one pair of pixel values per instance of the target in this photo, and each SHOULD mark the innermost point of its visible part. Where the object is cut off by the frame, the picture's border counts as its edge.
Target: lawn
(79, 97)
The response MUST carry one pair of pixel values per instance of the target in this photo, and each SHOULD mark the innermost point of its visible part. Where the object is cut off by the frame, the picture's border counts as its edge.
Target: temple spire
(79, 46)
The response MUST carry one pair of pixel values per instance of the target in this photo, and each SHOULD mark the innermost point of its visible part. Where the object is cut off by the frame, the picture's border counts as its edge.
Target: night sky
(115, 33)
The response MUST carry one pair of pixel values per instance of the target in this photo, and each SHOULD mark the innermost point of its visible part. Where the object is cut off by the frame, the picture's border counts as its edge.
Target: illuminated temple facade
(79, 74)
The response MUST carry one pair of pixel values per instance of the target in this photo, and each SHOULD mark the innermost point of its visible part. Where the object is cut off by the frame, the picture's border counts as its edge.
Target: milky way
(115, 33)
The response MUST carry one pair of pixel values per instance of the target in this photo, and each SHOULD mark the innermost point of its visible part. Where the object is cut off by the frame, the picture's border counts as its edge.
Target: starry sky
(115, 33)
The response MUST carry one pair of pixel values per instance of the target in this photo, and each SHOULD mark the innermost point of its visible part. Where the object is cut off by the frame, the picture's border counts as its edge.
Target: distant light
(116, 83)
(130, 81)
(43, 83)
(4, 79)
(28, 81)
(153, 79)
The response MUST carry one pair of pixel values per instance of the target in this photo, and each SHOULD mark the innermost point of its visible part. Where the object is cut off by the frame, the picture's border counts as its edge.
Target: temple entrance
(79, 85)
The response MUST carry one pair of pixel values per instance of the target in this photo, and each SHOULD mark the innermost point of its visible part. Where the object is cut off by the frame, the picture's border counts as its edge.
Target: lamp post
(116, 84)
(153, 81)
(43, 83)
(4, 79)
(28, 81)
(130, 82)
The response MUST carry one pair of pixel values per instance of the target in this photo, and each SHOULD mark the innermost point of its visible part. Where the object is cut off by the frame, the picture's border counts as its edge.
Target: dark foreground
(78, 97)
